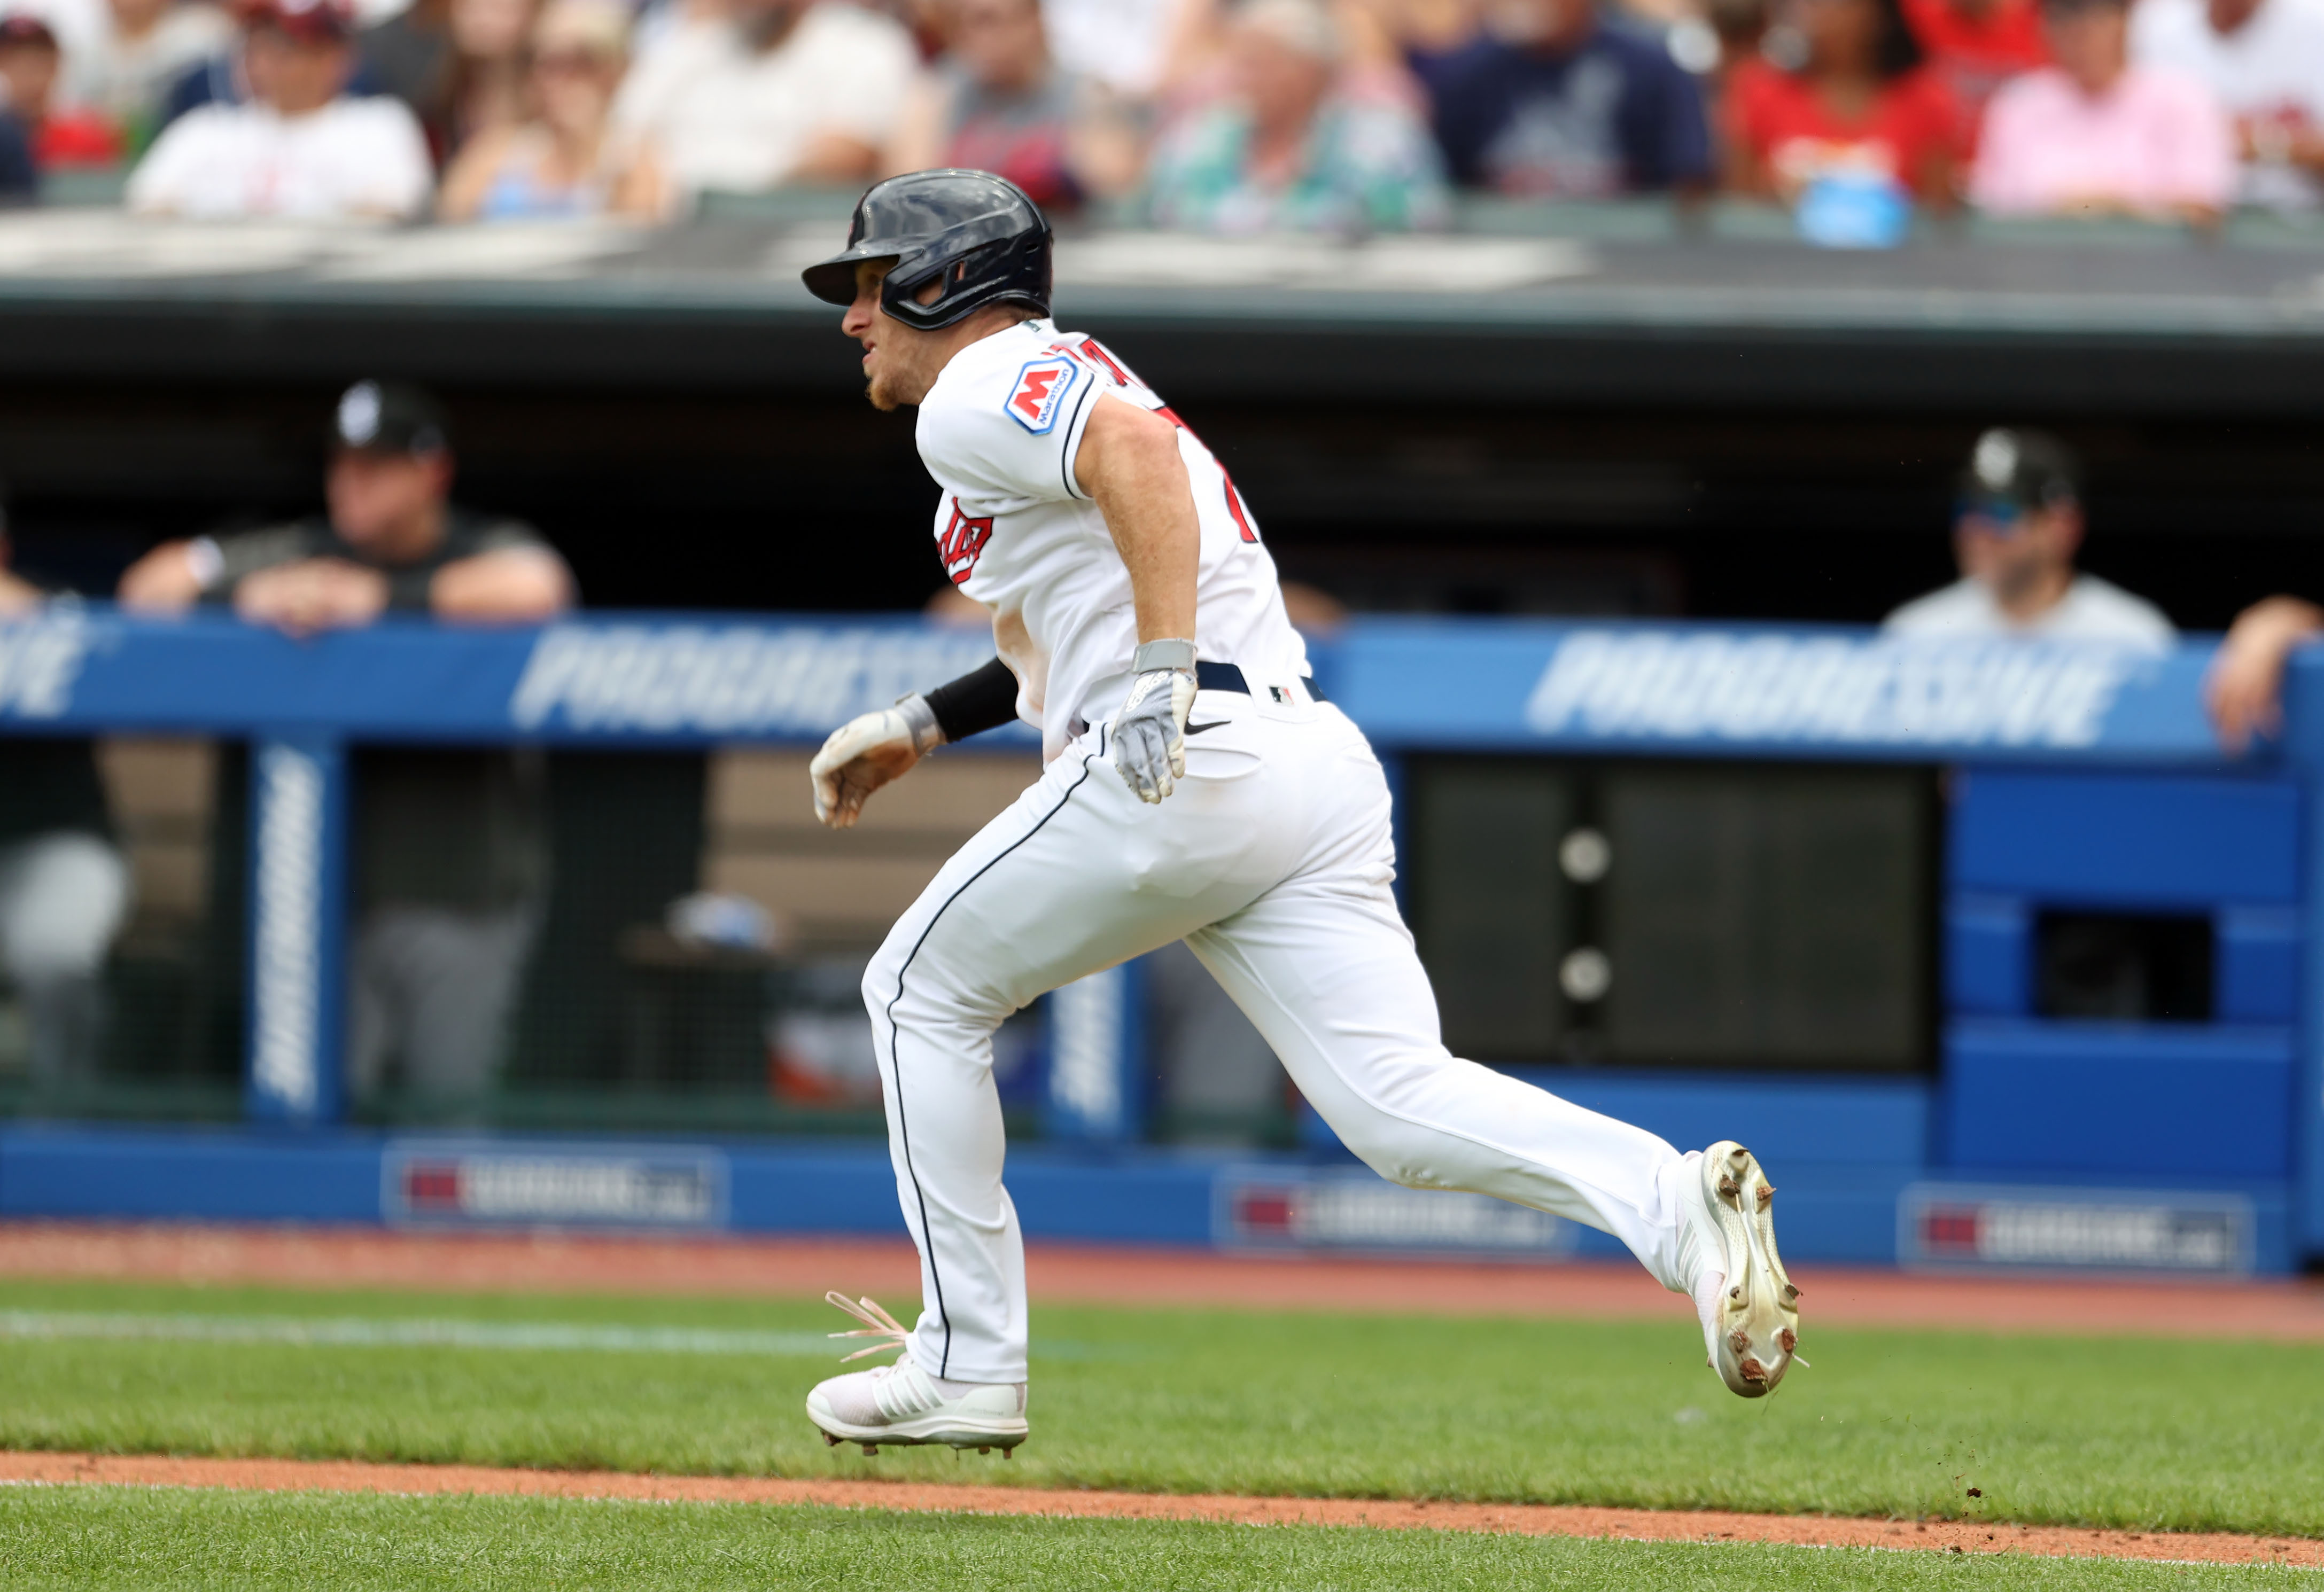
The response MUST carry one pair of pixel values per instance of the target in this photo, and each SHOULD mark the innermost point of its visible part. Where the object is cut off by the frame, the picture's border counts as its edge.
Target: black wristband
(975, 703)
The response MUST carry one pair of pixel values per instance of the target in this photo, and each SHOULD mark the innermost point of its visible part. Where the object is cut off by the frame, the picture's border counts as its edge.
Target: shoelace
(877, 1323)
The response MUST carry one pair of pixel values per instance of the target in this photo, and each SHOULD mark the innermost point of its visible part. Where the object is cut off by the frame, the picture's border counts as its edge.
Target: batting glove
(1149, 732)
(865, 753)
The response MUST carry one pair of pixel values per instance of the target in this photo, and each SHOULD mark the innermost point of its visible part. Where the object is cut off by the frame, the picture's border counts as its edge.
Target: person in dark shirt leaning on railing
(451, 860)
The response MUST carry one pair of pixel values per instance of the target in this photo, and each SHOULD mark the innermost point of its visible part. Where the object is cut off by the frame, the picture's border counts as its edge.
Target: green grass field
(2144, 1434)
(162, 1539)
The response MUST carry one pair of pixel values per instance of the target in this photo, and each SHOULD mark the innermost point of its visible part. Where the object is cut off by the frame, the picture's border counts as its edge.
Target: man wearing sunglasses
(2015, 529)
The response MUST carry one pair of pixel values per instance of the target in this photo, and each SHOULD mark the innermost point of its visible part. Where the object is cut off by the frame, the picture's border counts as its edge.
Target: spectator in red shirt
(1976, 46)
(1862, 104)
(30, 65)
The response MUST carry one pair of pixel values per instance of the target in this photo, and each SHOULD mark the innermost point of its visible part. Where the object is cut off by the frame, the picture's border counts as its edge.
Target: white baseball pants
(1272, 860)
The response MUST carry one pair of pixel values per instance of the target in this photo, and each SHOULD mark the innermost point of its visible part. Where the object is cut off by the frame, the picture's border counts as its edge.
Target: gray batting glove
(1149, 732)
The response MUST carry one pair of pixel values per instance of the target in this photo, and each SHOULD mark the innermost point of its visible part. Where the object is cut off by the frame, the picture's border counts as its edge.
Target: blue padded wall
(2136, 840)
(2141, 1101)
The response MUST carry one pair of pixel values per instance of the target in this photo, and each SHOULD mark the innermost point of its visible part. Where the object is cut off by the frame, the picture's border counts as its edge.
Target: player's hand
(1149, 732)
(312, 595)
(866, 752)
(2244, 688)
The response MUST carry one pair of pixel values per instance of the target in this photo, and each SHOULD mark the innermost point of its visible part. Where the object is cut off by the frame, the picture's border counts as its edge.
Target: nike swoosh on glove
(1149, 732)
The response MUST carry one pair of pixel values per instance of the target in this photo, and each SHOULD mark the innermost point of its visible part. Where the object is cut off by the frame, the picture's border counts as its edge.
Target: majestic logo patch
(1039, 396)
(961, 543)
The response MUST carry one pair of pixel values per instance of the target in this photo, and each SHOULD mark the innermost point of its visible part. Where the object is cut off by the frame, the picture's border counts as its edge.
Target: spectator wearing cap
(300, 146)
(998, 102)
(123, 71)
(773, 92)
(1297, 143)
(32, 69)
(557, 162)
(2095, 134)
(1859, 104)
(64, 888)
(2264, 61)
(451, 845)
(2016, 532)
(1558, 101)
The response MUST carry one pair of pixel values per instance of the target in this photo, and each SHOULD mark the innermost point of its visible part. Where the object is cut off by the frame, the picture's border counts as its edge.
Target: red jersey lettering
(1090, 348)
(963, 543)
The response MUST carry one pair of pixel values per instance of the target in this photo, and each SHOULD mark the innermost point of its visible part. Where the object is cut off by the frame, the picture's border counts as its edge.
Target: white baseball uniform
(1272, 860)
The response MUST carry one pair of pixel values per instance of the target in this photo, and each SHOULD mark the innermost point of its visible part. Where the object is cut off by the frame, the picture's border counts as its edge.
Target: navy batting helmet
(978, 233)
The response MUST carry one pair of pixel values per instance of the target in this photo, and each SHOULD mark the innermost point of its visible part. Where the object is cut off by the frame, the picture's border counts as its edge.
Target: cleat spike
(1739, 1340)
(872, 1448)
(985, 1450)
(1010, 1452)
(1788, 1341)
(1752, 1370)
(1767, 1192)
(830, 1441)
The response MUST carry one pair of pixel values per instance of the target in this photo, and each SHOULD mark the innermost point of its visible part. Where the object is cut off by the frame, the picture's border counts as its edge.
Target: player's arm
(867, 752)
(508, 586)
(2244, 689)
(166, 581)
(1128, 463)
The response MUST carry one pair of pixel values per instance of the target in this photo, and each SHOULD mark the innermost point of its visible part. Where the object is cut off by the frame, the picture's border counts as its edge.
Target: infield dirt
(1539, 1520)
(350, 1257)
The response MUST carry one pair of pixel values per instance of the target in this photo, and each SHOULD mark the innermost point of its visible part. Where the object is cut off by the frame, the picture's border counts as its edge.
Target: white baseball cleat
(1749, 1310)
(902, 1403)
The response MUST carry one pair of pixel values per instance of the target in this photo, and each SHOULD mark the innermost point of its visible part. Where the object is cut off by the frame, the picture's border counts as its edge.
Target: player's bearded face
(900, 363)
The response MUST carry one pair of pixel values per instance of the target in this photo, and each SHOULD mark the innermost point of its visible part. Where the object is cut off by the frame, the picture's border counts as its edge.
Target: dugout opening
(1704, 915)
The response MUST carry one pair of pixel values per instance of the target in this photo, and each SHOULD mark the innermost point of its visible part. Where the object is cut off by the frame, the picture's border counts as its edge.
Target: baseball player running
(1197, 787)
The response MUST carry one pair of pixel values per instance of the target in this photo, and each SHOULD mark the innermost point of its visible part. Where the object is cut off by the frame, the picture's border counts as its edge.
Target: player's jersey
(999, 431)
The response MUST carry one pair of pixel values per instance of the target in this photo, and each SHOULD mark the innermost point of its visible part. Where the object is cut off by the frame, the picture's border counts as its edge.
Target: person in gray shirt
(450, 848)
(2016, 528)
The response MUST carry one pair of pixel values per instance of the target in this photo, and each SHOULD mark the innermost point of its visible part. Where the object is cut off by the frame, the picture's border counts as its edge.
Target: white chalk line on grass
(389, 1332)
(371, 1332)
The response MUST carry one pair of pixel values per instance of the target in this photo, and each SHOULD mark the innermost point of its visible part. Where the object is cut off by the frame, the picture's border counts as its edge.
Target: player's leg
(465, 970)
(1327, 972)
(1329, 976)
(1078, 875)
(375, 1006)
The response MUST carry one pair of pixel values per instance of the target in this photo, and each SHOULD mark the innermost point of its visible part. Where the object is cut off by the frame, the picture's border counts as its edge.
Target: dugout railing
(1988, 946)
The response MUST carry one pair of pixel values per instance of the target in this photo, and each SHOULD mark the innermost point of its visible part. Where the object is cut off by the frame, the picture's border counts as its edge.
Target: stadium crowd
(1347, 116)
